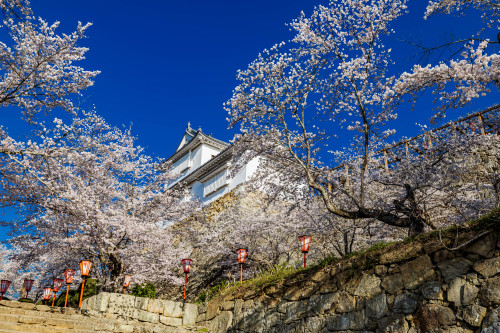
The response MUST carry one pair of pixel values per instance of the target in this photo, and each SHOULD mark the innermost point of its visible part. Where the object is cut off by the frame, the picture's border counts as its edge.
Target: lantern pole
(81, 293)
(69, 274)
(185, 284)
(85, 266)
(186, 266)
(242, 255)
(305, 253)
(66, 299)
(241, 274)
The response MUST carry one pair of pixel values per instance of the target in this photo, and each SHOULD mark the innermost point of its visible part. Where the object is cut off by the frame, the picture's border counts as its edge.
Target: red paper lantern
(69, 275)
(242, 255)
(28, 284)
(56, 284)
(305, 243)
(47, 293)
(85, 266)
(186, 265)
(126, 281)
(4, 286)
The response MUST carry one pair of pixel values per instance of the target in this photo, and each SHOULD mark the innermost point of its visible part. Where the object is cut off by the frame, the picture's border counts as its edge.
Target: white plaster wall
(207, 153)
(196, 158)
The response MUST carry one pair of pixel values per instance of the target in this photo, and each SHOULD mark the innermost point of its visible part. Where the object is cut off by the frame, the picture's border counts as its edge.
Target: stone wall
(27, 317)
(416, 287)
(154, 311)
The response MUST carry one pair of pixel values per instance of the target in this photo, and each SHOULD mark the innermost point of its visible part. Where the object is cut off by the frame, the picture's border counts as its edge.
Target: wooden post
(481, 121)
(241, 274)
(385, 161)
(347, 176)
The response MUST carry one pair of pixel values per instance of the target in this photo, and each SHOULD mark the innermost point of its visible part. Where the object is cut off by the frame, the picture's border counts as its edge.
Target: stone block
(417, 271)
(381, 270)
(319, 304)
(155, 306)
(238, 306)
(488, 267)
(460, 292)
(296, 310)
(443, 255)
(146, 316)
(190, 314)
(393, 284)
(433, 246)
(321, 275)
(227, 305)
(490, 291)
(141, 303)
(169, 321)
(432, 290)
(376, 307)
(401, 254)
(168, 308)
(484, 246)
(393, 324)
(222, 322)
(368, 286)
(177, 313)
(450, 269)
(273, 319)
(343, 302)
(213, 309)
(309, 289)
(347, 321)
(432, 316)
(199, 318)
(293, 293)
(405, 303)
(122, 305)
(474, 314)
(491, 323)
(314, 324)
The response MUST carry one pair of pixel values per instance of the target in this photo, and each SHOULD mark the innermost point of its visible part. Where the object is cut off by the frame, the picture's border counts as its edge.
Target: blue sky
(165, 63)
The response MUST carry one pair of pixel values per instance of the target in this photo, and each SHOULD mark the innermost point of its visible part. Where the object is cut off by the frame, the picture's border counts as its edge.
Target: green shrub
(145, 290)
(26, 300)
(92, 287)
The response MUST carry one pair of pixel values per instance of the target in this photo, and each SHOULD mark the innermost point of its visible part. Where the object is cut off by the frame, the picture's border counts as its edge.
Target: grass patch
(212, 292)
(275, 275)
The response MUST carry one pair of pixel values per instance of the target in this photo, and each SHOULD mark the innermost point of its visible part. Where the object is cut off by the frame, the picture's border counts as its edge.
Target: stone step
(12, 331)
(20, 327)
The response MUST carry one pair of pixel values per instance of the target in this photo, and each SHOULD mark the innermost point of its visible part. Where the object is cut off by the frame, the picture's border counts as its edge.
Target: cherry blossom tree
(318, 110)
(37, 65)
(457, 81)
(327, 86)
(85, 190)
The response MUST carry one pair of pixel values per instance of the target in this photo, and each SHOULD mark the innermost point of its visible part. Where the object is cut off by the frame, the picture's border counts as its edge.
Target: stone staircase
(25, 317)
